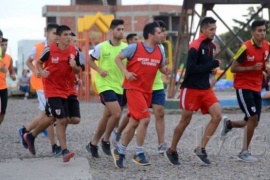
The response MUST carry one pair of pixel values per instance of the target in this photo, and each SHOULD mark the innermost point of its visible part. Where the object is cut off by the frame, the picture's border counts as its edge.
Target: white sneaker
(246, 157)
(162, 148)
(224, 129)
(115, 137)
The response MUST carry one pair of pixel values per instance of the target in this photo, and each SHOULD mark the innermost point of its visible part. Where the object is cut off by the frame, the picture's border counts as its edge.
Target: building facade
(135, 16)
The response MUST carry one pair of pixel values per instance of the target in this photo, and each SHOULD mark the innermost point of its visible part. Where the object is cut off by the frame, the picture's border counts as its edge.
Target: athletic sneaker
(162, 148)
(201, 155)
(93, 150)
(22, 131)
(106, 147)
(115, 137)
(141, 159)
(67, 155)
(30, 140)
(118, 158)
(172, 156)
(56, 150)
(247, 157)
(224, 129)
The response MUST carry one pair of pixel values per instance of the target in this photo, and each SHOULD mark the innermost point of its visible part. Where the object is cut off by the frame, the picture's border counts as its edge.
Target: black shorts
(111, 96)
(250, 102)
(4, 100)
(57, 107)
(73, 106)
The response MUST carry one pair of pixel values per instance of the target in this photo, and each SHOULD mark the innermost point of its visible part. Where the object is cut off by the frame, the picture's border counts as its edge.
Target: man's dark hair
(116, 22)
(150, 28)
(256, 23)
(4, 40)
(51, 26)
(162, 24)
(61, 29)
(206, 21)
(130, 36)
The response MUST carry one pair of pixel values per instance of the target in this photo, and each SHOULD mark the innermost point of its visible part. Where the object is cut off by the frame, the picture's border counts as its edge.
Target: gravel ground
(223, 155)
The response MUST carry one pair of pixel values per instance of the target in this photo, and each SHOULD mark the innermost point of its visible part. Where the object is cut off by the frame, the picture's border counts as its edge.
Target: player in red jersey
(60, 60)
(248, 67)
(144, 60)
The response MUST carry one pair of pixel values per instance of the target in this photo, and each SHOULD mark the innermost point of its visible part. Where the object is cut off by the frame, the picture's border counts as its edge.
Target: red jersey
(57, 62)
(248, 55)
(145, 65)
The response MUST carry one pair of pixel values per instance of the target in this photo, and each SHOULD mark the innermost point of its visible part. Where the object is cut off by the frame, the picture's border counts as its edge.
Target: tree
(244, 35)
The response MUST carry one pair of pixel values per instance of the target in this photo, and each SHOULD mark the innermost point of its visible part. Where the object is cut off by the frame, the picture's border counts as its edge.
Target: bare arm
(43, 71)
(11, 70)
(29, 63)
(119, 62)
(93, 65)
(165, 70)
(237, 68)
(76, 69)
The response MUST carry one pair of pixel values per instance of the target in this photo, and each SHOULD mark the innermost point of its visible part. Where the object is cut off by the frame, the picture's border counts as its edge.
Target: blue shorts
(111, 96)
(158, 97)
(24, 89)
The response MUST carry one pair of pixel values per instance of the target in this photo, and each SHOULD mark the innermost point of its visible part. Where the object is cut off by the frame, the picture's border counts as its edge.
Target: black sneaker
(56, 150)
(30, 140)
(106, 147)
(172, 156)
(22, 131)
(201, 155)
(93, 150)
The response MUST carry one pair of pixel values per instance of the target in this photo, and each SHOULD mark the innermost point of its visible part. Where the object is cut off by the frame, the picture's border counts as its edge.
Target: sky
(22, 20)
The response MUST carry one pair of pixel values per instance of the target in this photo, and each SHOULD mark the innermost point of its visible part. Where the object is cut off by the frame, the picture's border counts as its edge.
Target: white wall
(24, 48)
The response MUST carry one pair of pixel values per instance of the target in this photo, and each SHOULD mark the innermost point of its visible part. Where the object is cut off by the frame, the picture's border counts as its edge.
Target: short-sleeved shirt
(248, 55)
(57, 62)
(24, 80)
(106, 53)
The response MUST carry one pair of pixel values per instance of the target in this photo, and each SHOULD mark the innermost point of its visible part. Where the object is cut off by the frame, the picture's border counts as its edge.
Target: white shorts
(41, 99)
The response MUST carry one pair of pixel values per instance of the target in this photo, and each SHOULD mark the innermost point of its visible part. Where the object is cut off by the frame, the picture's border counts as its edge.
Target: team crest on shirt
(55, 59)
(253, 109)
(250, 58)
(58, 111)
(106, 54)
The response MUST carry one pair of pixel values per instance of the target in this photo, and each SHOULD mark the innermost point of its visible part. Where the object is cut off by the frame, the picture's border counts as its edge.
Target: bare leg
(215, 112)
(141, 131)
(74, 120)
(160, 123)
(180, 128)
(61, 132)
(249, 131)
(115, 111)
(2, 116)
(238, 124)
(101, 126)
(123, 124)
(44, 124)
(129, 131)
